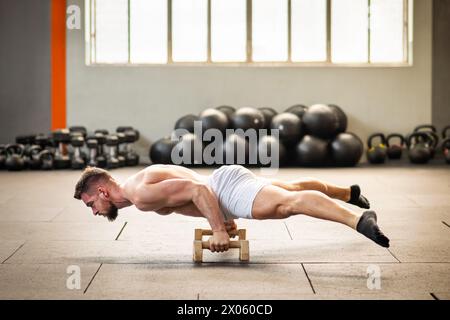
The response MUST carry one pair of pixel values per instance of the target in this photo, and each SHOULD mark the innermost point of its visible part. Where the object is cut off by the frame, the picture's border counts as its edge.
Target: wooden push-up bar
(242, 244)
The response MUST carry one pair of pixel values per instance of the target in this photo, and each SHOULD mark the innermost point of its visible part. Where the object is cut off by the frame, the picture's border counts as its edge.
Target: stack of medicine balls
(71, 148)
(307, 136)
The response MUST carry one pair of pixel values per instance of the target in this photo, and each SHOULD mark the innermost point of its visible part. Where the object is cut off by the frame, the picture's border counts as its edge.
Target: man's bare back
(139, 184)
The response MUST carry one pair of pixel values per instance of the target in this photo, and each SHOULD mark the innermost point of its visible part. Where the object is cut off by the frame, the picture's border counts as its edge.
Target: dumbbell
(128, 128)
(120, 148)
(131, 156)
(77, 161)
(102, 131)
(112, 161)
(101, 157)
(92, 145)
(62, 139)
(242, 244)
(42, 140)
(27, 139)
(78, 130)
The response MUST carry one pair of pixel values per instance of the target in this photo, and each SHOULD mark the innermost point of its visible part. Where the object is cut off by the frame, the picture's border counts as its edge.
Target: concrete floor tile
(396, 281)
(431, 200)
(378, 202)
(141, 281)
(27, 213)
(58, 231)
(78, 212)
(205, 282)
(5, 196)
(306, 228)
(62, 252)
(150, 252)
(8, 247)
(294, 251)
(442, 295)
(268, 281)
(43, 281)
(415, 250)
(164, 230)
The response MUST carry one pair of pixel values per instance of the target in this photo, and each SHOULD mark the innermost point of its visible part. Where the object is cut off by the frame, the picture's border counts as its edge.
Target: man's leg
(350, 194)
(273, 202)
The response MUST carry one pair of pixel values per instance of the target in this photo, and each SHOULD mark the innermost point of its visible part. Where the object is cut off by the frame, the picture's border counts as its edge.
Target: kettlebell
(376, 153)
(434, 141)
(425, 127)
(394, 151)
(419, 147)
(2, 156)
(34, 160)
(14, 158)
(46, 157)
(432, 132)
(446, 132)
(446, 149)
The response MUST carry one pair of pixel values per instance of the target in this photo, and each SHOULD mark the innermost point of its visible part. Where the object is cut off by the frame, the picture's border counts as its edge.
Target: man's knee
(291, 205)
(299, 202)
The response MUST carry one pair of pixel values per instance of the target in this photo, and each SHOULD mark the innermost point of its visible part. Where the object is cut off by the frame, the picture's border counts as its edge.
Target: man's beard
(112, 213)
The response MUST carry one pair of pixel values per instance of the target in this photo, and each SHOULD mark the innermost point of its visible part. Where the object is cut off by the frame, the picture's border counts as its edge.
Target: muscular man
(230, 192)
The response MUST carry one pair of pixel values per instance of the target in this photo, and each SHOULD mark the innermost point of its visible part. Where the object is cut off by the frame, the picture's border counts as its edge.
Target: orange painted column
(58, 64)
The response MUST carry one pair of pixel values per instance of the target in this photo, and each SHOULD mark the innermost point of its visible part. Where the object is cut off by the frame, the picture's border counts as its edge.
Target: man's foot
(367, 226)
(357, 198)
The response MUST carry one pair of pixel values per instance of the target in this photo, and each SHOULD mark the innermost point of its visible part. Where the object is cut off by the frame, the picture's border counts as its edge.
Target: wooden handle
(233, 244)
(207, 232)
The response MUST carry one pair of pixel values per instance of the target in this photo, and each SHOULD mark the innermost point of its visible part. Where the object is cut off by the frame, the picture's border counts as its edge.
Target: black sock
(357, 198)
(367, 226)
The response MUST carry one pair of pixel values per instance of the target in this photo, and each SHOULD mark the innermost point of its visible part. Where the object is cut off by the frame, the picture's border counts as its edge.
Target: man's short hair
(90, 177)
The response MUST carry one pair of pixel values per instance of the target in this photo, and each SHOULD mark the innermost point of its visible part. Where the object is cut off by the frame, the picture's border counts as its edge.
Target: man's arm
(177, 192)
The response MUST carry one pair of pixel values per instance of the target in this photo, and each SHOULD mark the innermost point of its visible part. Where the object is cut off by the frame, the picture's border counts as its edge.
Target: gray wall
(441, 63)
(151, 98)
(24, 67)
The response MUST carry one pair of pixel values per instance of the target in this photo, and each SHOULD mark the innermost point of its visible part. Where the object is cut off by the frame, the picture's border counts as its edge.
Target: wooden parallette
(241, 243)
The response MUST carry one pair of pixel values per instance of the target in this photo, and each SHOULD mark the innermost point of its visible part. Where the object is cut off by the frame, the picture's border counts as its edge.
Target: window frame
(90, 7)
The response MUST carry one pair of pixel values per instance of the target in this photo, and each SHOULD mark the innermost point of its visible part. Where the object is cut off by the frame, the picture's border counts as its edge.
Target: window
(189, 30)
(228, 30)
(270, 30)
(309, 30)
(249, 32)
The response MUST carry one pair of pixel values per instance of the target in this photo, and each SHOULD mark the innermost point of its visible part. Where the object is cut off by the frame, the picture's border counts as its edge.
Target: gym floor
(44, 232)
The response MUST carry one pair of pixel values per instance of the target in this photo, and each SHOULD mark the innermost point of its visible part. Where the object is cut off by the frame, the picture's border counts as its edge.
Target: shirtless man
(230, 192)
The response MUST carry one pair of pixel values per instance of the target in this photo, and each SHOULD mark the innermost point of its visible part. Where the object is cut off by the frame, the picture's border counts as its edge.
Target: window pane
(228, 30)
(349, 35)
(189, 30)
(269, 30)
(309, 30)
(148, 31)
(386, 31)
(111, 43)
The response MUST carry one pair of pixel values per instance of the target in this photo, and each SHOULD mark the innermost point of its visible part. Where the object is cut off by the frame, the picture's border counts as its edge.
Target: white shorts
(236, 188)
